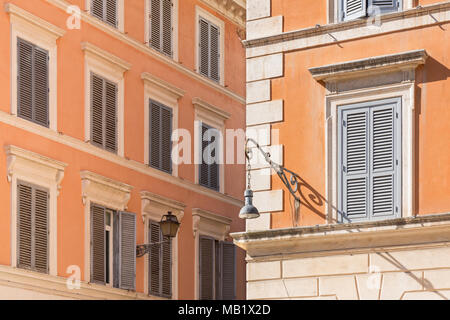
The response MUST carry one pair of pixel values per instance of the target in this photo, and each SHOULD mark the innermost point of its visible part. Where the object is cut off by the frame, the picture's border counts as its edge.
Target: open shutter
(167, 27)
(127, 251)
(25, 79)
(97, 117)
(385, 6)
(40, 85)
(204, 47)
(206, 268)
(98, 259)
(97, 9)
(355, 168)
(111, 8)
(110, 124)
(228, 271)
(24, 226)
(154, 259)
(385, 161)
(353, 9)
(41, 230)
(214, 44)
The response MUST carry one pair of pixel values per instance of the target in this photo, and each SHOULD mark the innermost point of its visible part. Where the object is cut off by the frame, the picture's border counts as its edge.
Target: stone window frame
(30, 167)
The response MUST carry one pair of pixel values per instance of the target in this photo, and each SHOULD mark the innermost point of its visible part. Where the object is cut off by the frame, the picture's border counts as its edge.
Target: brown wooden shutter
(32, 227)
(98, 260)
(207, 274)
(127, 250)
(228, 274)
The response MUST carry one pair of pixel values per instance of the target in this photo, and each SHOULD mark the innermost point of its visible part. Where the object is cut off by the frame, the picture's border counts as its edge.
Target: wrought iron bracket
(143, 249)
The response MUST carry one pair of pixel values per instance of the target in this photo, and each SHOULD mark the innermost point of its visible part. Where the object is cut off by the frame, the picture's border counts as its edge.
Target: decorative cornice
(47, 27)
(235, 10)
(155, 206)
(105, 191)
(209, 223)
(341, 26)
(346, 237)
(386, 63)
(29, 162)
(89, 48)
(205, 106)
(162, 85)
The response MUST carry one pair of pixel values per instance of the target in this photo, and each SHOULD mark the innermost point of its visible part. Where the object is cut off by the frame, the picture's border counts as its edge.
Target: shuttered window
(209, 50)
(209, 168)
(32, 225)
(32, 83)
(161, 26)
(353, 9)
(106, 10)
(160, 263)
(104, 101)
(370, 161)
(113, 247)
(217, 269)
(160, 137)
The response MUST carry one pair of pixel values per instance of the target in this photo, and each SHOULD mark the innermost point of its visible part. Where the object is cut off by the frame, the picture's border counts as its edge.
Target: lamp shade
(169, 225)
(248, 211)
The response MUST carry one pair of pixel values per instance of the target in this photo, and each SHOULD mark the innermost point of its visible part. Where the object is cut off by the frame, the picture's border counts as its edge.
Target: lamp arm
(291, 182)
(143, 249)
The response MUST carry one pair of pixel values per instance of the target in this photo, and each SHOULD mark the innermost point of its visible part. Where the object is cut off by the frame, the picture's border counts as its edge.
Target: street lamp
(249, 211)
(169, 227)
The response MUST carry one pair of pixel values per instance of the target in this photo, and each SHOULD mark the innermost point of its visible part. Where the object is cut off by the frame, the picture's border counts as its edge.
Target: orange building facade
(92, 91)
(354, 98)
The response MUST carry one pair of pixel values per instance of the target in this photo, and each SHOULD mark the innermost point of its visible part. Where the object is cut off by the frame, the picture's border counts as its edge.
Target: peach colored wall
(304, 140)
(71, 123)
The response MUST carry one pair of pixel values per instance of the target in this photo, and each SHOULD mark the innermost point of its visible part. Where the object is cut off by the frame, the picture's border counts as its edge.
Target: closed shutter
(160, 137)
(97, 9)
(167, 27)
(161, 25)
(127, 250)
(33, 81)
(104, 113)
(105, 10)
(209, 169)
(207, 274)
(353, 9)
(204, 47)
(228, 271)
(214, 55)
(32, 223)
(385, 6)
(160, 263)
(371, 161)
(98, 257)
(209, 50)
(155, 24)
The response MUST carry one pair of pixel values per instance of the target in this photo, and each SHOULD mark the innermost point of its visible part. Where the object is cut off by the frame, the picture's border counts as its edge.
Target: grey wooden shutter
(127, 250)
(98, 257)
(209, 170)
(214, 55)
(111, 10)
(218, 270)
(155, 24)
(104, 102)
(209, 50)
(97, 9)
(353, 9)
(160, 137)
(207, 274)
(166, 267)
(33, 83)
(228, 274)
(203, 47)
(386, 6)
(166, 27)
(160, 263)
(161, 25)
(385, 161)
(32, 224)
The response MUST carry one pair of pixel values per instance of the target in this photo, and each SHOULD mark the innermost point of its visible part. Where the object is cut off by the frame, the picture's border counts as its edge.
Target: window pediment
(155, 206)
(210, 224)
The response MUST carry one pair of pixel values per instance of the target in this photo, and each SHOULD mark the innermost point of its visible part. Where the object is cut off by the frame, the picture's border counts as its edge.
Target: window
(217, 269)
(113, 247)
(160, 263)
(353, 9)
(160, 137)
(32, 83)
(32, 227)
(104, 113)
(210, 149)
(209, 49)
(106, 10)
(370, 160)
(161, 19)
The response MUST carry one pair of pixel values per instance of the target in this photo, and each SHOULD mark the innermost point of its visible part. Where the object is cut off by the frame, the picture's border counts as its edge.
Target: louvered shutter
(204, 47)
(155, 24)
(97, 9)
(385, 6)
(167, 27)
(218, 270)
(32, 84)
(111, 9)
(209, 50)
(98, 258)
(110, 124)
(214, 55)
(353, 9)
(32, 225)
(166, 267)
(204, 167)
(209, 169)
(97, 117)
(385, 161)
(207, 275)
(127, 250)
(228, 274)
(160, 137)
(154, 260)
(161, 25)
(355, 163)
